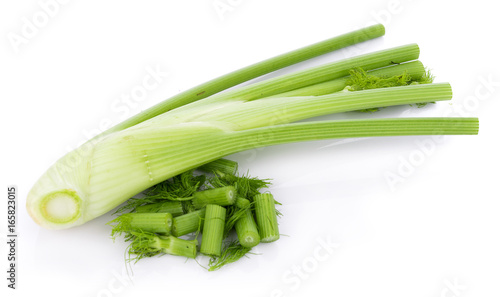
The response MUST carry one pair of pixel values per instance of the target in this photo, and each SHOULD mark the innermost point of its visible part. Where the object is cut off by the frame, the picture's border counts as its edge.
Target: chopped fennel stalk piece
(242, 202)
(213, 229)
(246, 229)
(148, 245)
(221, 196)
(145, 222)
(188, 207)
(246, 186)
(188, 223)
(172, 207)
(267, 220)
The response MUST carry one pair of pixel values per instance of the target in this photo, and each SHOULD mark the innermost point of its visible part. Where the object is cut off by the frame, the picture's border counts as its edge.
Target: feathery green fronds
(232, 252)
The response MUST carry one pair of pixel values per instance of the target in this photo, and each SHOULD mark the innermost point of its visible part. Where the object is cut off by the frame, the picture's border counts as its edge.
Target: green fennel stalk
(246, 229)
(242, 75)
(148, 245)
(242, 203)
(289, 82)
(213, 229)
(415, 69)
(267, 219)
(143, 222)
(223, 196)
(188, 223)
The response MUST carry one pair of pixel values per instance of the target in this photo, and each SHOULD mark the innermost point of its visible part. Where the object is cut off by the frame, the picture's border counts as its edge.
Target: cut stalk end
(247, 232)
(213, 230)
(267, 220)
(178, 247)
(61, 207)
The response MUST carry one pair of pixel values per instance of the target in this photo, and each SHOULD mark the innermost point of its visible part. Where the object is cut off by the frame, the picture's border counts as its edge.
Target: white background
(434, 233)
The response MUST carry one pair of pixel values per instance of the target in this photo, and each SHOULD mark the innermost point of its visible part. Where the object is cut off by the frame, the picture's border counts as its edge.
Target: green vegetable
(188, 223)
(413, 69)
(213, 229)
(361, 80)
(266, 215)
(242, 202)
(246, 229)
(160, 147)
(175, 189)
(233, 214)
(288, 82)
(220, 196)
(245, 74)
(246, 186)
(145, 222)
(148, 245)
(244, 116)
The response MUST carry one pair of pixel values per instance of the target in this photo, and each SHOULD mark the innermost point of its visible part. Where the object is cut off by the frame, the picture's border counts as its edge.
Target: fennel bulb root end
(60, 207)
(58, 200)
